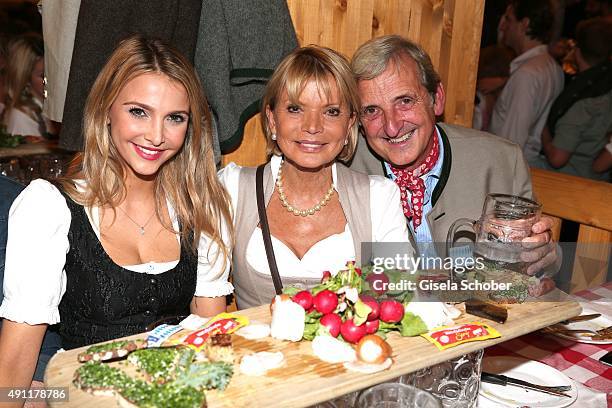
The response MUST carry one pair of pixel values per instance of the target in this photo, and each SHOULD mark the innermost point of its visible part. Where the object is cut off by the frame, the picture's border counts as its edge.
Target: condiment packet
(162, 333)
(450, 336)
(220, 324)
(193, 322)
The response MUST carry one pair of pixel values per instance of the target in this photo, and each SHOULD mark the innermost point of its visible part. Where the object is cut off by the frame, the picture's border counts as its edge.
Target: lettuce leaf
(291, 290)
(361, 313)
(412, 325)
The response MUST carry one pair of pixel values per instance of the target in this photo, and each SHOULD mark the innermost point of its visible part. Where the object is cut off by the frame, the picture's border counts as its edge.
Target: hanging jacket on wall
(239, 45)
(100, 27)
(59, 28)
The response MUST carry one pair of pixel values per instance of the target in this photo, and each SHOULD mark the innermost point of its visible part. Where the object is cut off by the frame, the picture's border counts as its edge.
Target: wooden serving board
(305, 380)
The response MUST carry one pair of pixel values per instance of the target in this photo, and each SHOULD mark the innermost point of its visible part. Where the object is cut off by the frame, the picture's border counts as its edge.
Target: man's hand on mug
(541, 250)
(542, 287)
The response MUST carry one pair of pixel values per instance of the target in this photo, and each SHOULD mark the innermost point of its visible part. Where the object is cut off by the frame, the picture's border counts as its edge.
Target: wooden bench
(586, 202)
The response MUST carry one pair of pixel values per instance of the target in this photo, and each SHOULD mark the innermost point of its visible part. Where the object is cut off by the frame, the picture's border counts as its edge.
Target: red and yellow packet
(450, 336)
(220, 324)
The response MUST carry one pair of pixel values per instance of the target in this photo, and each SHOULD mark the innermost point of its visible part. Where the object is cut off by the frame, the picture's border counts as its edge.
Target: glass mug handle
(460, 222)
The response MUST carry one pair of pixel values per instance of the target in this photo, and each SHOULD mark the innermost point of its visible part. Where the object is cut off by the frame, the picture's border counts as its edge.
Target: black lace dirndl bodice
(104, 301)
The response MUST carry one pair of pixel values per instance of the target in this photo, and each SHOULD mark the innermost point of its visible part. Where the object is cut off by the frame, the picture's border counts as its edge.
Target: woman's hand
(36, 404)
(19, 348)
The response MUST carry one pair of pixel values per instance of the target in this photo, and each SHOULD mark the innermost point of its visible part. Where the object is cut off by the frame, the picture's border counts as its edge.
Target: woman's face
(311, 132)
(36, 79)
(148, 123)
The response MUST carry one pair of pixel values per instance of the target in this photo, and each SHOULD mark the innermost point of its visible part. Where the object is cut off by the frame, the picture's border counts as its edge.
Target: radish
(351, 332)
(373, 304)
(325, 301)
(391, 311)
(304, 299)
(333, 322)
(378, 282)
(326, 276)
(372, 326)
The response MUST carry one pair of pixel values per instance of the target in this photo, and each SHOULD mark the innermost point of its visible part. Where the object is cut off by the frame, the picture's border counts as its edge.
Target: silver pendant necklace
(141, 227)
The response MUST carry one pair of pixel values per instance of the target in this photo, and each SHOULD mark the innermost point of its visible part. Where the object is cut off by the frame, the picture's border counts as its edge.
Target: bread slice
(161, 396)
(218, 348)
(102, 379)
(161, 365)
(112, 350)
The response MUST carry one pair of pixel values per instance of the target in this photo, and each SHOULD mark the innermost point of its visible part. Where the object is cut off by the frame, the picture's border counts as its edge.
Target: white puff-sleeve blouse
(34, 276)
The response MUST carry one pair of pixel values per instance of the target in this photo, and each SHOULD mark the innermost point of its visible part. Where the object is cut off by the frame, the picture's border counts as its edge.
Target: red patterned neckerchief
(410, 181)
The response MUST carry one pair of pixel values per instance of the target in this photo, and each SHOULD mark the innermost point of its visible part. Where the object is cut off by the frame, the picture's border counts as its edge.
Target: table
(578, 361)
(30, 161)
(306, 380)
(28, 149)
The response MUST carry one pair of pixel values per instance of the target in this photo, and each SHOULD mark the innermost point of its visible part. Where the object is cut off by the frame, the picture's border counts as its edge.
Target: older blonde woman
(140, 232)
(319, 212)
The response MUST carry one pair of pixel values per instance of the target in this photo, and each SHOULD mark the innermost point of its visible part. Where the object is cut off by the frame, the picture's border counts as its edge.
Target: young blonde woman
(319, 211)
(25, 69)
(139, 233)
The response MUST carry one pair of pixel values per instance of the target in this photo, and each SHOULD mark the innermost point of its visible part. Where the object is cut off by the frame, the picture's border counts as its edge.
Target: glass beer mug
(504, 222)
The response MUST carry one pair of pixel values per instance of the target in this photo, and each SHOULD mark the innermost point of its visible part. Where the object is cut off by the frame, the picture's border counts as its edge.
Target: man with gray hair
(444, 172)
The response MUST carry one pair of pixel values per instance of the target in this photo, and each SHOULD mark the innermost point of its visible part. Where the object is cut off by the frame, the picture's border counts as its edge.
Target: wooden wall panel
(448, 29)
(564, 196)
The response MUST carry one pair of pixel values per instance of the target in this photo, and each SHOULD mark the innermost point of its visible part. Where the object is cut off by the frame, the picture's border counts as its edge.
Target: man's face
(398, 114)
(511, 29)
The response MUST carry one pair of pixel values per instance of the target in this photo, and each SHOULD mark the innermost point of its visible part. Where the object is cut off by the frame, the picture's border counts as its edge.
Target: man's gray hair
(372, 58)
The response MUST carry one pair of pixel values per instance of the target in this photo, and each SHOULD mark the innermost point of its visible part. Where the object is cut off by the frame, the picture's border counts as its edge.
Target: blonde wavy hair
(312, 63)
(22, 54)
(188, 180)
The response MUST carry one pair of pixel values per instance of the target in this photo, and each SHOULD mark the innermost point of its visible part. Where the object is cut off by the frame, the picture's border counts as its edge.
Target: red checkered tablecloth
(578, 361)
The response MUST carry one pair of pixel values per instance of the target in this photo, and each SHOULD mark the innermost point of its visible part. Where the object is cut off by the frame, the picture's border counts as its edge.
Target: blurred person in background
(535, 77)
(493, 72)
(24, 88)
(580, 119)
(3, 59)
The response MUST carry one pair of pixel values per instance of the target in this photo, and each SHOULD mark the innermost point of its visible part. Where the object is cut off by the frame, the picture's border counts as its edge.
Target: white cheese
(287, 320)
(254, 331)
(332, 350)
(258, 364)
(433, 314)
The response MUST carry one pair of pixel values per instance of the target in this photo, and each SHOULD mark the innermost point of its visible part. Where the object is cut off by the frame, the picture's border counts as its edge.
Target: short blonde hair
(293, 74)
(188, 180)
